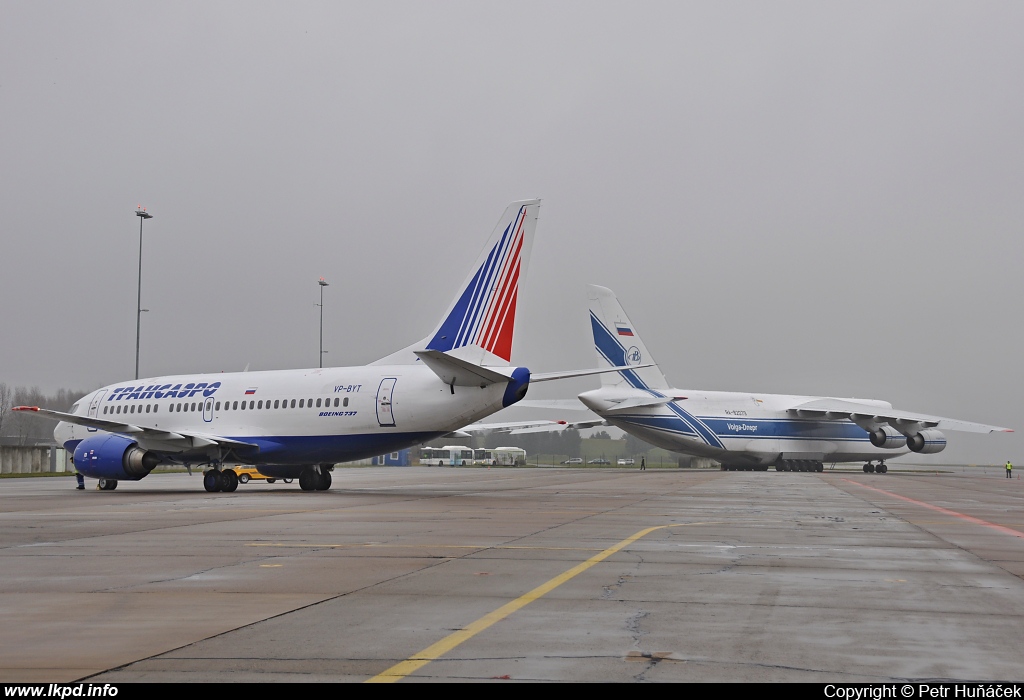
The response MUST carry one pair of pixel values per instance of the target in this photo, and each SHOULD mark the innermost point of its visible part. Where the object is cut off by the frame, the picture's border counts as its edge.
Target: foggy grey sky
(789, 197)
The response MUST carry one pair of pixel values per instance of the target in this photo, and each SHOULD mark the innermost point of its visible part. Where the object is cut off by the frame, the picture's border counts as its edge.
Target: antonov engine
(107, 456)
(887, 437)
(927, 442)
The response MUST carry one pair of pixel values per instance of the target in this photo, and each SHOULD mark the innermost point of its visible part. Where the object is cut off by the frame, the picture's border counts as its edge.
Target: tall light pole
(141, 213)
(321, 305)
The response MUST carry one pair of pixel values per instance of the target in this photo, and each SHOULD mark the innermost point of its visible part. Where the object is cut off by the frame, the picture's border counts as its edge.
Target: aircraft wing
(556, 404)
(549, 376)
(525, 426)
(839, 409)
(177, 441)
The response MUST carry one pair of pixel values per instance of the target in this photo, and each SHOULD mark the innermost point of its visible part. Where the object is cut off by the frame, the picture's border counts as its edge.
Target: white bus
(447, 456)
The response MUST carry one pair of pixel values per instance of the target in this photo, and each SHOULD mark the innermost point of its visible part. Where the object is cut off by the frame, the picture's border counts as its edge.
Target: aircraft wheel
(325, 481)
(244, 479)
(229, 481)
(107, 484)
(308, 479)
(212, 481)
(881, 469)
(819, 467)
(287, 480)
(270, 481)
(869, 468)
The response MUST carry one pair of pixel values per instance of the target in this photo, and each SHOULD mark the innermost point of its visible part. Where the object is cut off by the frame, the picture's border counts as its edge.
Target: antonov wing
(159, 439)
(838, 409)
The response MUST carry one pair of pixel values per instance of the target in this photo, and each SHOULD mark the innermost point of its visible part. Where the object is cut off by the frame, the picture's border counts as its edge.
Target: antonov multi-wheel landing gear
(870, 468)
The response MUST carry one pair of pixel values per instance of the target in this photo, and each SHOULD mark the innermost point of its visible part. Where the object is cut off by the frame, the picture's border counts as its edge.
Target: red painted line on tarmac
(940, 509)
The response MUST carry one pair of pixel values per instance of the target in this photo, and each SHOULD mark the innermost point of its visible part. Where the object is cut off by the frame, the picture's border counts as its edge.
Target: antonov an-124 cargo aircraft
(741, 430)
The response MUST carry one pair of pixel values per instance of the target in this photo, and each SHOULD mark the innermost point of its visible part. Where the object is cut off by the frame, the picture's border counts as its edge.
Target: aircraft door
(94, 407)
(385, 416)
(208, 410)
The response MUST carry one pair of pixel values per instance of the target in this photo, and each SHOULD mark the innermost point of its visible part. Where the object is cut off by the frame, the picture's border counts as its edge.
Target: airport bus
(447, 456)
(503, 456)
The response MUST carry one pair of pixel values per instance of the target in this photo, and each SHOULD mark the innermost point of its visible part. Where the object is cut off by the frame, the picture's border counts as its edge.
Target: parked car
(573, 460)
(626, 462)
(599, 460)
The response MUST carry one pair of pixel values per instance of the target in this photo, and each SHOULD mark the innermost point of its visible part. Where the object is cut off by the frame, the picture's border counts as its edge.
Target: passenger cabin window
(346, 401)
(302, 403)
(216, 406)
(156, 407)
(276, 403)
(293, 403)
(318, 403)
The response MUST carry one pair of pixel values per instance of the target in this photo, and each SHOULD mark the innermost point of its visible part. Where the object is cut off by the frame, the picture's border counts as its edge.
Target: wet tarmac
(437, 574)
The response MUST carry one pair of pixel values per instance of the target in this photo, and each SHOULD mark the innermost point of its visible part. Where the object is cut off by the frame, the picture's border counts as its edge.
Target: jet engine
(927, 442)
(887, 437)
(107, 456)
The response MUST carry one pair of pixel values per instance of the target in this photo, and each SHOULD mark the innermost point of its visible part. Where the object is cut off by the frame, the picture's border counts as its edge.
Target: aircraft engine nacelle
(887, 438)
(927, 442)
(107, 456)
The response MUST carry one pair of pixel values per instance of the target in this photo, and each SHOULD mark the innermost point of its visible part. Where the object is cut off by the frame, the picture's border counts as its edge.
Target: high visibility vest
(1009, 466)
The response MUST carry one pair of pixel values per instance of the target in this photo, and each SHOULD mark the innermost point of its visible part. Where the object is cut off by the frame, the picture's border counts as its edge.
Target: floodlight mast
(322, 284)
(143, 215)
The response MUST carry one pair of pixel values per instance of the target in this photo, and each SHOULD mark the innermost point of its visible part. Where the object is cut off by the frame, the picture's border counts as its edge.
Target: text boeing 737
(748, 431)
(298, 423)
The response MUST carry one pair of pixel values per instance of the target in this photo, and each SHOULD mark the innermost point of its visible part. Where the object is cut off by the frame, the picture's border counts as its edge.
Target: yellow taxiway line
(437, 649)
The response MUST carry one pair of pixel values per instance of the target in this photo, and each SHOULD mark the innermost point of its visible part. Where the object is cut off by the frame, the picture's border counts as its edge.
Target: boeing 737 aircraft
(747, 431)
(298, 423)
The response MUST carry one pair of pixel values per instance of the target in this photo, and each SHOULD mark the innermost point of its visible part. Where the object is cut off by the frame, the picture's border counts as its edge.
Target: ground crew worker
(1009, 469)
(643, 463)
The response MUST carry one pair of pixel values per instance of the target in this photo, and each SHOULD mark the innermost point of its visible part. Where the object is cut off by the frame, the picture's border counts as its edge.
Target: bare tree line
(22, 429)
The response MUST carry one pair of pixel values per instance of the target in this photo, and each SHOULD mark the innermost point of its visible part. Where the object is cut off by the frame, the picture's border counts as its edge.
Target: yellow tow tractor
(246, 474)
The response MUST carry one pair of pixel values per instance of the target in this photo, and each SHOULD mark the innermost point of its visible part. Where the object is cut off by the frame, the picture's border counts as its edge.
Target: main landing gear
(106, 484)
(214, 480)
(870, 468)
(799, 465)
(315, 478)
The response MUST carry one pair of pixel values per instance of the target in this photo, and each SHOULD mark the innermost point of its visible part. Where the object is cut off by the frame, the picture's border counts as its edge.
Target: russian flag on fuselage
(485, 313)
(622, 330)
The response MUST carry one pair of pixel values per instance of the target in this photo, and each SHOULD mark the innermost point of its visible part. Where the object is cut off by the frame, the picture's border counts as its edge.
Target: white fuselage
(293, 416)
(736, 428)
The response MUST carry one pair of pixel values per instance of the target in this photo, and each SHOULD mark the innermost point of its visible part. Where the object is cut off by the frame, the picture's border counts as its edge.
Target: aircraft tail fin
(478, 325)
(618, 343)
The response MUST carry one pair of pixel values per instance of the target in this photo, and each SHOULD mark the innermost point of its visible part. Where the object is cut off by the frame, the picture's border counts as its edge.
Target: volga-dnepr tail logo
(633, 356)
